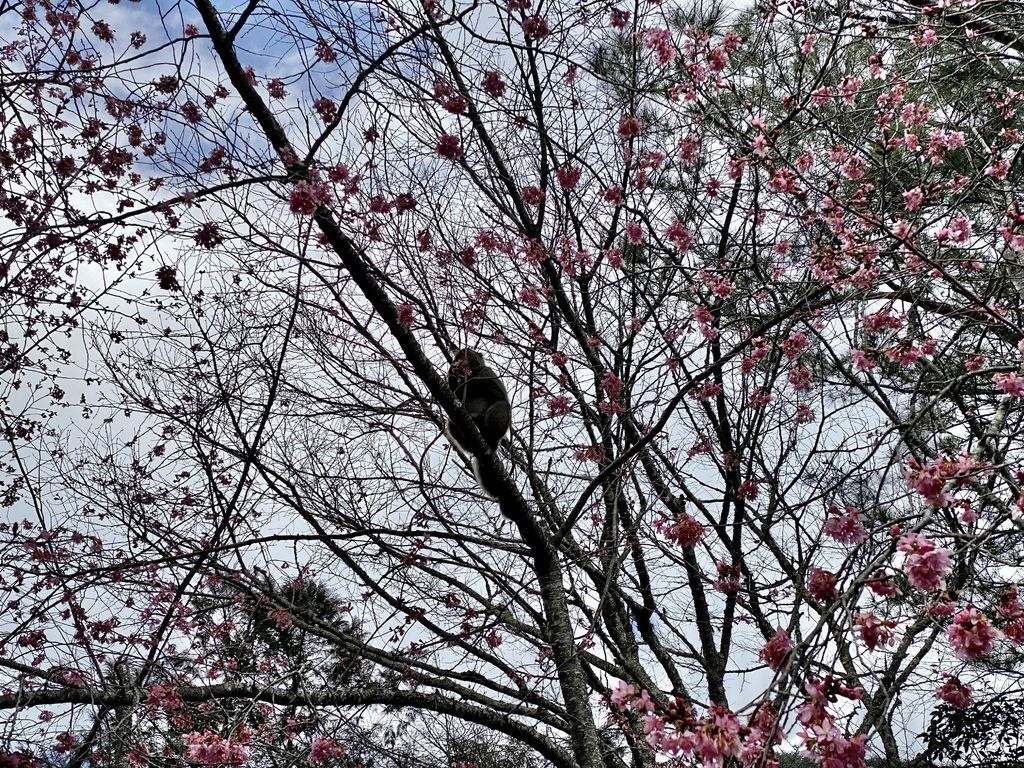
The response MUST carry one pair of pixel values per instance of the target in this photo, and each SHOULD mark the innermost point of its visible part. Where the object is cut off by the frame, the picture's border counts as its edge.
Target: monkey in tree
(478, 388)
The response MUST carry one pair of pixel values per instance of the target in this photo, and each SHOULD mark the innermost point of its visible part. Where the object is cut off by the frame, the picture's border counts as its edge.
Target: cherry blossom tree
(751, 276)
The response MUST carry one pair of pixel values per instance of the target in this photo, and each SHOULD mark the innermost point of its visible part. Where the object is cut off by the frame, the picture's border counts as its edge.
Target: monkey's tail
(488, 482)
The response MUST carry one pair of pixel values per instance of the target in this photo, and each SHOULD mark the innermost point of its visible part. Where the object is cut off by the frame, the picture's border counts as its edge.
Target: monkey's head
(468, 361)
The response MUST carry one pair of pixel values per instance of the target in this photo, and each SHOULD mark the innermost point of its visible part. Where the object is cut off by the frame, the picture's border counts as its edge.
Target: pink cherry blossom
(941, 607)
(849, 87)
(776, 650)
(659, 40)
(913, 198)
(536, 27)
(532, 195)
(449, 146)
(846, 527)
(629, 127)
(715, 737)
(493, 84)
(954, 693)
(307, 196)
(619, 19)
(821, 585)
(679, 236)
(804, 414)
(1014, 631)
(210, 749)
(926, 564)
(684, 530)
(623, 694)
(323, 749)
(728, 577)
(971, 634)
(406, 316)
(930, 480)
(861, 361)
(568, 176)
(1010, 383)
(1014, 239)
(874, 631)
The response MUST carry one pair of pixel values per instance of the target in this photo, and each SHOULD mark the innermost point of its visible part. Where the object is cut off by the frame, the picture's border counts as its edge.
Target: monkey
(482, 394)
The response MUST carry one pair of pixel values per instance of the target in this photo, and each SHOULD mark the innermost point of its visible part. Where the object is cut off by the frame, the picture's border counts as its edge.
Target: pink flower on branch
(634, 232)
(849, 87)
(163, 695)
(846, 528)
(532, 195)
(449, 146)
(659, 40)
(954, 693)
(568, 177)
(776, 650)
(804, 414)
(323, 748)
(926, 564)
(874, 631)
(307, 196)
(493, 84)
(1013, 238)
(821, 585)
(536, 27)
(971, 634)
(684, 530)
(913, 198)
(679, 236)
(930, 480)
(560, 405)
(406, 315)
(861, 360)
(1010, 383)
(629, 127)
(210, 749)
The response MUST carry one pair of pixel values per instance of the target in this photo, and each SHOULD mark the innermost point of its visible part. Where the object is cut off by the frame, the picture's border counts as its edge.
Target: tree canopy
(751, 275)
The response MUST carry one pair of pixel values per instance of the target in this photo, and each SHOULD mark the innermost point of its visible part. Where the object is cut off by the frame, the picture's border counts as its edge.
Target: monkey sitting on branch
(478, 388)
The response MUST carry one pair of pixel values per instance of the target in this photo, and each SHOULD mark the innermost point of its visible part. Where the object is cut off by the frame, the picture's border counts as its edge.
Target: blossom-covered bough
(752, 276)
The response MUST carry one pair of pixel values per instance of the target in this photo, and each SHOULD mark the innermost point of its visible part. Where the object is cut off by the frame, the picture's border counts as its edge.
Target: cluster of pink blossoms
(821, 585)
(684, 530)
(493, 84)
(324, 748)
(930, 479)
(679, 236)
(874, 631)
(1011, 384)
(971, 634)
(714, 738)
(307, 196)
(777, 649)
(1011, 611)
(629, 126)
(926, 564)
(954, 693)
(532, 195)
(568, 176)
(846, 528)
(163, 695)
(822, 738)
(210, 749)
(659, 40)
(449, 146)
